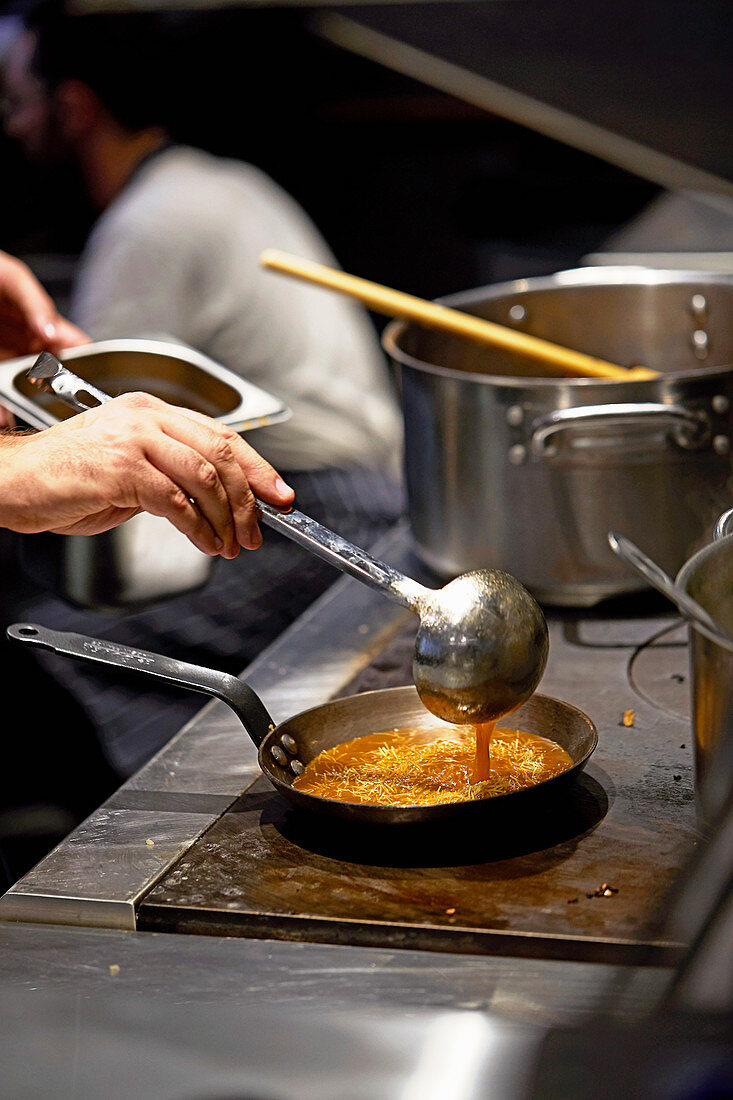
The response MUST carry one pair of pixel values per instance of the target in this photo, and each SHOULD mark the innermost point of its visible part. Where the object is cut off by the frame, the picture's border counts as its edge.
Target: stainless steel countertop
(273, 975)
(93, 1012)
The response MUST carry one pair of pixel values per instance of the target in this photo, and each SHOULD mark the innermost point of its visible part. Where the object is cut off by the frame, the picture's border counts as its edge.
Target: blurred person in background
(175, 250)
(175, 253)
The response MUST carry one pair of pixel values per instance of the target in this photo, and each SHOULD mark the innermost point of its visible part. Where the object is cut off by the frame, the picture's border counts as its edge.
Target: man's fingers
(162, 497)
(193, 470)
(221, 447)
(201, 480)
(264, 480)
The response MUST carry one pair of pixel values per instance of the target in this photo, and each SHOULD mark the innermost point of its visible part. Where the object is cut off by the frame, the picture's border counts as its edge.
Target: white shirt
(176, 253)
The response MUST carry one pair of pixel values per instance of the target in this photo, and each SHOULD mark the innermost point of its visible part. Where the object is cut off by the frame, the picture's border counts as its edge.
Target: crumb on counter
(603, 891)
(450, 912)
(150, 843)
(628, 718)
(114, 970)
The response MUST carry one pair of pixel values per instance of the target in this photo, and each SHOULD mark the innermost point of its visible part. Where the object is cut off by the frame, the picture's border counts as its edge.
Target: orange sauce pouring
(484, 733)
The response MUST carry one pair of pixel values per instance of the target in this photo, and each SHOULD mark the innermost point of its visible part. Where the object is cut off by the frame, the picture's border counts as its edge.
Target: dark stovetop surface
(525, 886)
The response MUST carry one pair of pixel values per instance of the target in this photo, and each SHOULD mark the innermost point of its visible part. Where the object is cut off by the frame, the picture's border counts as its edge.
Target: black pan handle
(248, 707)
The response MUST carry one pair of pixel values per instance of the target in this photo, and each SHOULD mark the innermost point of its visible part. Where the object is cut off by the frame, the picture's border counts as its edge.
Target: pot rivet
(289, 744)
(514, 415)
(279, 756)
(517, 454)
(700, 343)
(296, 767)
(698, 303)
(517, 312)
(720, 403)
(721, 444)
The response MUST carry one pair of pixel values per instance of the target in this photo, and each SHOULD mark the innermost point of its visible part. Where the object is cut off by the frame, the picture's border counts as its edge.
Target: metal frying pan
(283, 750)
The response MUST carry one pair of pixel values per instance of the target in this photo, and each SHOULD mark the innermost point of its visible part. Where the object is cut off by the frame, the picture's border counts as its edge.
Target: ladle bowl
(481, 647)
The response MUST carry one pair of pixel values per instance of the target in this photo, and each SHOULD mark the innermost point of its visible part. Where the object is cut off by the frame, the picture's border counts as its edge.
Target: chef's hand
(134, 454)
(29, 321)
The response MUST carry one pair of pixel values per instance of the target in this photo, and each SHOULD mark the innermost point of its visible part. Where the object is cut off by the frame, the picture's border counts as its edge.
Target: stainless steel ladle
(482, 643)
(654, 574)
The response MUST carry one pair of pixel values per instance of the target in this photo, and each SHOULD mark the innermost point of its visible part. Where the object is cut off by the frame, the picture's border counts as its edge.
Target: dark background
(411, 187)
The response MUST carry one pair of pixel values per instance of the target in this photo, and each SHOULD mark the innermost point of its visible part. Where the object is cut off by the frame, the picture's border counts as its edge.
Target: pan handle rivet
(517, 454)
(279, 756)
(517, 312)
(721, 444)
(720, 403)
(296, 767)
(514, 415)
(288, 744)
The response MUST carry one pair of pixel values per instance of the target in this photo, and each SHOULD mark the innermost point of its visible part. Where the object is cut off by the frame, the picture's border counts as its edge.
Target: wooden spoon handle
(394, 303)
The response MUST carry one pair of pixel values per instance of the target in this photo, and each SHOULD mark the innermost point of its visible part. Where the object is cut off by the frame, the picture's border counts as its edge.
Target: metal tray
(172, 371)
(146, 558)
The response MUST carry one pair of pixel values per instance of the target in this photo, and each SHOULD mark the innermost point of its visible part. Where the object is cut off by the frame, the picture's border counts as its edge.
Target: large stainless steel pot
(708, 578)
(508, 470)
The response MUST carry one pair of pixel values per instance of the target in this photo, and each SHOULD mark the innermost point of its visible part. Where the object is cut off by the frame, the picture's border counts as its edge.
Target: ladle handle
(656, 576)
(48, 373)
(344, 555)
(245, 703)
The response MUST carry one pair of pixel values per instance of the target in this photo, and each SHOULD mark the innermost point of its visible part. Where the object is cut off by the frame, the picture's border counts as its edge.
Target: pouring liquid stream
(482, 766)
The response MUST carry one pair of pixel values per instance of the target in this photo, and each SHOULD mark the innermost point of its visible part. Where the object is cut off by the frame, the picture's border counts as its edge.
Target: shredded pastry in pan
(411, 767)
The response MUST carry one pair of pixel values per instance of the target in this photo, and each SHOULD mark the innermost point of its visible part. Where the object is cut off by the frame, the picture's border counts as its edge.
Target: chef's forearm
(11, 438)
(11, 442)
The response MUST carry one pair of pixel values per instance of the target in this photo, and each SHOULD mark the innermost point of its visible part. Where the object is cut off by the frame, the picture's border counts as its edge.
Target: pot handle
(690, 428)
(235, 693)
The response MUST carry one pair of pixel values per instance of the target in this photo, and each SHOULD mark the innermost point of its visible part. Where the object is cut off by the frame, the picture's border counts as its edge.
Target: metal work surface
(118, 1047)
(95, 1012)
(261, 870)
(271, 975)
(528, 886)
